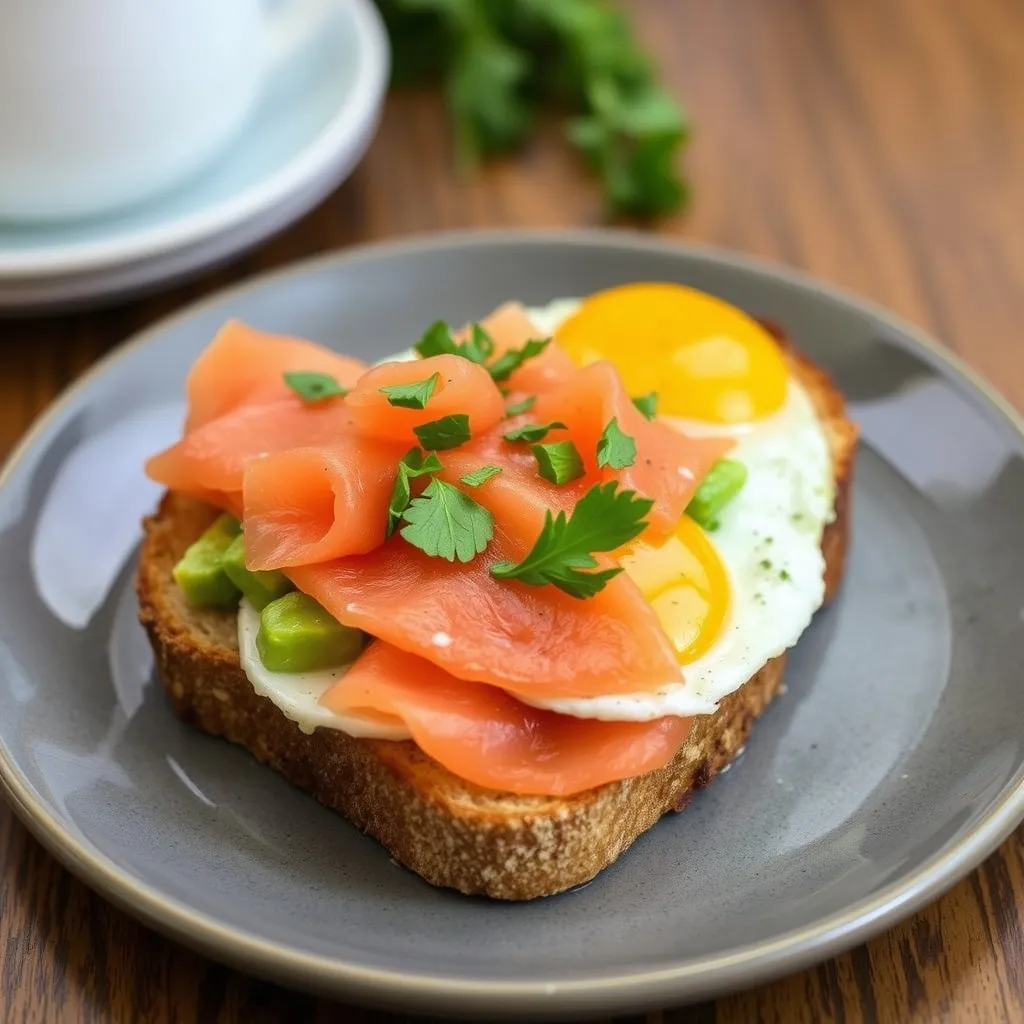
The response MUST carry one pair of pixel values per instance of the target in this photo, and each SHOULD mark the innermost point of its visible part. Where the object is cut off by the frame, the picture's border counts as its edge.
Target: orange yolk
(706, 359)
(685, 583)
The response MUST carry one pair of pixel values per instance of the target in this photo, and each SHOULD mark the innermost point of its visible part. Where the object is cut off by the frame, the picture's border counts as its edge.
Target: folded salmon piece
(210, 459)
(242, 362)
(460, 387)
(489, 738)
(313, 504)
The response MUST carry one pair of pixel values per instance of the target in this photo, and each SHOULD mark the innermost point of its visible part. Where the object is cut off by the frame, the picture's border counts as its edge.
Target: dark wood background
(878, 144)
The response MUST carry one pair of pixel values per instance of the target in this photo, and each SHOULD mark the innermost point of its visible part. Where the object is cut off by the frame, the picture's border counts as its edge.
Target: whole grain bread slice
(449, 831)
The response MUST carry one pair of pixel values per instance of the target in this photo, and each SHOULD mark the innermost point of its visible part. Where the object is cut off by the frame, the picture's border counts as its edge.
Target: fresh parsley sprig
(604, 519)
(445, 522)
(413, 464)
(504, 62)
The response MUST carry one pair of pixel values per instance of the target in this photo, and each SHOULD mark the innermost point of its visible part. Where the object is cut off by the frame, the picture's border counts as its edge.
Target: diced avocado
(200, 573)
(260, 587)
(297, 635)
(724, 481)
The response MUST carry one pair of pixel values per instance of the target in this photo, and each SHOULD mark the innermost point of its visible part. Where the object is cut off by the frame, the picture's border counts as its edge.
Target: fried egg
(732, 598)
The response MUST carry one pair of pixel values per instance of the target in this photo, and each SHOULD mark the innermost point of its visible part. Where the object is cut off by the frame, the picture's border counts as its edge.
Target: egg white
(769, 542)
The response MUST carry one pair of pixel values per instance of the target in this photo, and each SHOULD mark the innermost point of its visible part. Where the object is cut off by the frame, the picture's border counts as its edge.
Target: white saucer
(312, 127)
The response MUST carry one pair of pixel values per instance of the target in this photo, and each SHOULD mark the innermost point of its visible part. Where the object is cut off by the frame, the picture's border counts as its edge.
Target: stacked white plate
(313, 125)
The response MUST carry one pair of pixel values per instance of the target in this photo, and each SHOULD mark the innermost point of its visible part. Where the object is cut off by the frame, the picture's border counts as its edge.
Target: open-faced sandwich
(507, 598)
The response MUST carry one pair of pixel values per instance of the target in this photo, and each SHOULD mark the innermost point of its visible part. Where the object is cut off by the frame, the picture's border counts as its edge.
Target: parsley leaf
(481, 475)
(603, 520)
(445, 522)
(437, 340)
(480, 345)
(504, 62)
(447, 432)
(314, 387)
(523, 405)
(413, 464)
(558, 462)
(411, 396)
(647, 404)
(508, 362)
(615, 448)
(631, 139)
(533, 431)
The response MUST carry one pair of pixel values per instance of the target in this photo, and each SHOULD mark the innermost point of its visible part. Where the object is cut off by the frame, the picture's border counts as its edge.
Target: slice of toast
(449, 831)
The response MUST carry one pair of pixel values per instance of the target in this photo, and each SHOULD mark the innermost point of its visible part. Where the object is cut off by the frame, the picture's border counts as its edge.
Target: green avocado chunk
(260, 587)
(724, 481)
(200, 573)
(297, 635)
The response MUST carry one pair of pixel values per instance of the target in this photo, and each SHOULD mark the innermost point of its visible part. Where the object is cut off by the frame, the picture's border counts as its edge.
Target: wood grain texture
(878, 144)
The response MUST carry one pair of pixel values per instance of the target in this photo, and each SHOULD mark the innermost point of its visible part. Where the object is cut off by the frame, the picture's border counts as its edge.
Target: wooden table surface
(878, 144)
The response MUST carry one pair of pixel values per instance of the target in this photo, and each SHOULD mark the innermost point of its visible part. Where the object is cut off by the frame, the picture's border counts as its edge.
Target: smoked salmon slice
(491, 739)
(668, 465)
(536, 641)
(211, 458)
(313, 504)
(461, 387)
(242, 362)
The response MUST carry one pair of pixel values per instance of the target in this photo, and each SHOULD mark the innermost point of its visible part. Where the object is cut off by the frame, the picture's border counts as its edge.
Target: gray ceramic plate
(890, 768)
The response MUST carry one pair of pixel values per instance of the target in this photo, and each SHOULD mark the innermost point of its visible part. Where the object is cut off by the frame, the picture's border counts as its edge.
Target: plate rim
(349, 125)
(633, 989)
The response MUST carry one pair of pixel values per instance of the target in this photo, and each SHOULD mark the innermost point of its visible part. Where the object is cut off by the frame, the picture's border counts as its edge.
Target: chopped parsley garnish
(784, 575)
(558, 461)
(477, 348)
(723, 482)
(647, 404)
(314, 387)
(411, 396)
(438, 341)
(413, 464)
(603, 520)
(445, 522)
(508, 362)
(481, 475)
(447, 432)
(615, 449)
(766, 564)
(533, 432)
(523, 405)
(480, 345)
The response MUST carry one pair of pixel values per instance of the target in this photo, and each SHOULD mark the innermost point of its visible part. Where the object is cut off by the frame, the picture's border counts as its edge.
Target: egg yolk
(706, 359)
(684, 581)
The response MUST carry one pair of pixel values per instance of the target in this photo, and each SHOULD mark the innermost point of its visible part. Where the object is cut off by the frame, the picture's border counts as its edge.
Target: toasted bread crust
(449, 831)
